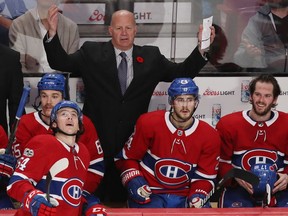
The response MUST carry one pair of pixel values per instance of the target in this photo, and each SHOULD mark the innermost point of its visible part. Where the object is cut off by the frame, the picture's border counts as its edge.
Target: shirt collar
(128, 52)
(35, 14)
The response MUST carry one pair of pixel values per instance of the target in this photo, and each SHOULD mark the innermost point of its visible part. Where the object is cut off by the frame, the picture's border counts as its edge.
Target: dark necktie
(122, 72)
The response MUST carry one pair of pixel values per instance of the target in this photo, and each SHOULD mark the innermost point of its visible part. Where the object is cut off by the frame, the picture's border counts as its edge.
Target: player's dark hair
(266, 78)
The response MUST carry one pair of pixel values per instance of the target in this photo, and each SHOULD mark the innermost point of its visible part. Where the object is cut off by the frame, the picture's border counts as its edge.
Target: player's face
(184, 106)
(49, 98)
(67, 120)
(123, 30)
(262, 99)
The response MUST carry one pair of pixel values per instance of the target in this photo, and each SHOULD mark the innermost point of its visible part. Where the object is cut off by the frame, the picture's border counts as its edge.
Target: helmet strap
(42, 114)
(179, 121)
(44, 117)
(34, 105)
(58, 130)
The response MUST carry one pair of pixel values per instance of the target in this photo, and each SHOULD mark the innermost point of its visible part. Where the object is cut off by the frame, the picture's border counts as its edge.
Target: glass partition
(173, 26)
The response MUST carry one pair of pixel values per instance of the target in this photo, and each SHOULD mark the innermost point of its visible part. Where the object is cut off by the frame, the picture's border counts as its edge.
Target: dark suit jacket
(11, 84)
(115, 115)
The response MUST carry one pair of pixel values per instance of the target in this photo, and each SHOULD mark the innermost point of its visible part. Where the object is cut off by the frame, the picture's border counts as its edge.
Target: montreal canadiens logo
(258, 156)
(172, 172)
(71, 191)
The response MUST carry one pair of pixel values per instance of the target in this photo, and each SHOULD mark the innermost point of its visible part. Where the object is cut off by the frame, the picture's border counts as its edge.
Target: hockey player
(51, 90)
(256, 140)
(3, 144)
(62, 158)
(171, 159)
(7, 165)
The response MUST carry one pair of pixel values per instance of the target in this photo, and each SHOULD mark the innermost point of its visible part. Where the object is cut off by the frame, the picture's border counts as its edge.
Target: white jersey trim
(147, 168)
(253, 123)
(225, 161)
(168, 123)
(96, 172)
(172, 128)
(205, 175)
(96, 161)
(40, 121)
(68, 148)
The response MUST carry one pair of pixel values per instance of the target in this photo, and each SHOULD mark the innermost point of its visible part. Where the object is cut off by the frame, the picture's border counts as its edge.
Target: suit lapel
(138, 68)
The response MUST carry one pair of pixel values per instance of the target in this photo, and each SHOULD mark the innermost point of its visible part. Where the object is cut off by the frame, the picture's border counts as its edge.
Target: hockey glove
(7, 165)
(91, 206)
(197, 201)
(137, 187)
(36, 203)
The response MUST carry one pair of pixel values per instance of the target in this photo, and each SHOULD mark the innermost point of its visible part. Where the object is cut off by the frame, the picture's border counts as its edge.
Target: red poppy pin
(140, 59)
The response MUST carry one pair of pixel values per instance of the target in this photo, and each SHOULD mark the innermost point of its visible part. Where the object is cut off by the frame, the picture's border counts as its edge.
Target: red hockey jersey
(246, 142)
(3, 138)
(31, 125)
(70, 167)
(172, 160)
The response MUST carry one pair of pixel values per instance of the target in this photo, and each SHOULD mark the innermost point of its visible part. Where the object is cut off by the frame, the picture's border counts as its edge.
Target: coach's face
(123, 30)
